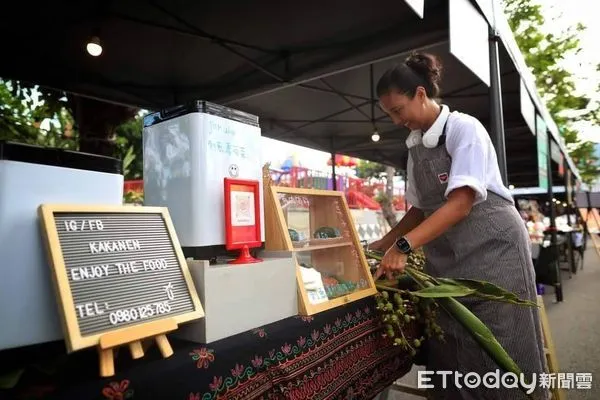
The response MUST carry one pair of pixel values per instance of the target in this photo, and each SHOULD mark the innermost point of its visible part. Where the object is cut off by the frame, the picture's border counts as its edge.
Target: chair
(546, 263)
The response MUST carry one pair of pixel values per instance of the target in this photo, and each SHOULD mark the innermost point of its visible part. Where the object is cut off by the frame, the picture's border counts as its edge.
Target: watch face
(403, 245)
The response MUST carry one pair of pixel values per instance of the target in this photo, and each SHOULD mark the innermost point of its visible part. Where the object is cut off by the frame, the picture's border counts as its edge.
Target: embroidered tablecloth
(338, 354)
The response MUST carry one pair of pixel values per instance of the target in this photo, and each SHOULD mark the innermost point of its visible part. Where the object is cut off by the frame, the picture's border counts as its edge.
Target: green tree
(369, 169)
(129, 148)
(96, 121)
(22, 120)
(115, 131)
(543, 52)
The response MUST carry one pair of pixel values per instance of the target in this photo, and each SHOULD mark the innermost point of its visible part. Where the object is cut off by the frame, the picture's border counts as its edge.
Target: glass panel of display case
(318, 227)
(315, 222)
(328, 274)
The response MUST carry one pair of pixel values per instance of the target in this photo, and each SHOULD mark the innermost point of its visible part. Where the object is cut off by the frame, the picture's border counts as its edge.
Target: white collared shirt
(474, 160)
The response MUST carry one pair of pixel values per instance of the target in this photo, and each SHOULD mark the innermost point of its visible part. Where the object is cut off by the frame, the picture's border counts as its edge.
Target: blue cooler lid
(202, 107)
(12, 151)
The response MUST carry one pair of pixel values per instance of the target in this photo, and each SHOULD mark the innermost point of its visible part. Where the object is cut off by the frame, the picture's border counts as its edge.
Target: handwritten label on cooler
(122, 269)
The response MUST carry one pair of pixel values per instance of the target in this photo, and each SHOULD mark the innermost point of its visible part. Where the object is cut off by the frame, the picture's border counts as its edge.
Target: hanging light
(375, 136)
(93, 47)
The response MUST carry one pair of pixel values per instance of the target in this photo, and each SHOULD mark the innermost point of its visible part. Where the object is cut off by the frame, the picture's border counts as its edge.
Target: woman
(466, 221)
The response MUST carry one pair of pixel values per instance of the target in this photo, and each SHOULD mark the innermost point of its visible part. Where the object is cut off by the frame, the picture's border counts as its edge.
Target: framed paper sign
(242, 217)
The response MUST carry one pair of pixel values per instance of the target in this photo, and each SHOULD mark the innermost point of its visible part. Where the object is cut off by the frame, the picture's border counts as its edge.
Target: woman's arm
(459, 204)
(409, 221)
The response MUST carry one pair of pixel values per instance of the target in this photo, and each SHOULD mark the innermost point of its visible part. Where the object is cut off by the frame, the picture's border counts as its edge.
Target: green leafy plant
(544, 50)
(133, 198)
(430, 294)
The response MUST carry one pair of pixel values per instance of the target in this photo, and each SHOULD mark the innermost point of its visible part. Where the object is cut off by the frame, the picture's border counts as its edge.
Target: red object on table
(242, 218)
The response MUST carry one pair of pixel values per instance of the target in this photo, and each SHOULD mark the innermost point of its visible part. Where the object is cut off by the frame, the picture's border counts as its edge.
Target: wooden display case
(318, 227)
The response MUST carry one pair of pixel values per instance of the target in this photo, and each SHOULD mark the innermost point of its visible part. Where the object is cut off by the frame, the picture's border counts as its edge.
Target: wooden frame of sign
(120, 276)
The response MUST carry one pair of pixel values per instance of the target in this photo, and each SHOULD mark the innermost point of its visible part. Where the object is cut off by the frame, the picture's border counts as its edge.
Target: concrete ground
(575, 326)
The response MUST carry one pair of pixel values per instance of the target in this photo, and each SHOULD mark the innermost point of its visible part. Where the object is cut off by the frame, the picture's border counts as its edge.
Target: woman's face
(403, 110)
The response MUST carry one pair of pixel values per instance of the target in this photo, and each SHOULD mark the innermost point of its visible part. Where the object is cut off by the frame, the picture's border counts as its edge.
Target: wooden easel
(593, 236)
(549, 352)
(133, 336)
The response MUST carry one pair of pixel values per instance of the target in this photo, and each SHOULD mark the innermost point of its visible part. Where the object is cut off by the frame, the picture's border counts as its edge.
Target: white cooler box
(188, 151)
(30, 176)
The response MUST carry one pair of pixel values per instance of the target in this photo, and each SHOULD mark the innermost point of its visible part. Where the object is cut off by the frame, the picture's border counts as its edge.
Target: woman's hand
(393, 261)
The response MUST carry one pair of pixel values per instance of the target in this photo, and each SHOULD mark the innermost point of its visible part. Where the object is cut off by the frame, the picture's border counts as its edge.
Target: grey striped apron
(490, 244)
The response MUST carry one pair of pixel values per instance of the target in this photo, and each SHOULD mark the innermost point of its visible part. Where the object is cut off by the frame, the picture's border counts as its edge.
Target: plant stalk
(473, 325)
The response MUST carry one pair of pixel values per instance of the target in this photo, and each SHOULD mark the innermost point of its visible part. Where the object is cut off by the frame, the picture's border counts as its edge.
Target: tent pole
(496, 112)
(333, 177)
(567, 178)
(554, 240)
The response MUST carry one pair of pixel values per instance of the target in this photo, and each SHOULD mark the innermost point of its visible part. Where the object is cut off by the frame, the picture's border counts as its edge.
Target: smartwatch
(403, 246)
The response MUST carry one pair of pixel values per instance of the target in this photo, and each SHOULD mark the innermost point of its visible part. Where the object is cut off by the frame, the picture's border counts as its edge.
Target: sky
(559, 15)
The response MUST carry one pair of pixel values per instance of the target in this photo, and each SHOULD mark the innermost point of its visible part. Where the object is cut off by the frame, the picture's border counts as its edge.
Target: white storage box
(30, 176)
(240, 297)
(188, 151)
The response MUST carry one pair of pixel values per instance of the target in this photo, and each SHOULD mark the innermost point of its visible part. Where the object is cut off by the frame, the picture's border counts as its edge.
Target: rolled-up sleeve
(469, 152)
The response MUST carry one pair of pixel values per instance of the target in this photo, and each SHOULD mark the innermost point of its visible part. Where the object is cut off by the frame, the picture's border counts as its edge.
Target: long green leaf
(473, 325)
(375, 255)
(438, 291)
(413, 272)
(387, 282)
(487, 290)
(402, 282)
(482, 335)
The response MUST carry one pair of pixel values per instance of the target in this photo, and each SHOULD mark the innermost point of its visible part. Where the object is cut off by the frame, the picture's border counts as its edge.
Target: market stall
(313, 87)
(133, 314)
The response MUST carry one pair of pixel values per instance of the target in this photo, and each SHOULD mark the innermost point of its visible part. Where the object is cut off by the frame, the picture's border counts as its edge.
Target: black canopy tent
(305, 69)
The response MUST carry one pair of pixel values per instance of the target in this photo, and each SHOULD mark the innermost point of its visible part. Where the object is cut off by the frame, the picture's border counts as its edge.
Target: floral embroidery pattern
(301, 341)
(194, 396)
(240, 381)
(237, 370)
(257, 361)
(260, 332)
(216, 383)
(203, 357)
(117, 390)
(305, 318)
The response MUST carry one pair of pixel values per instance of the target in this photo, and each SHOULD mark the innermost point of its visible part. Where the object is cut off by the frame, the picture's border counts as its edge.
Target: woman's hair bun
(418, 70)
(428, 67)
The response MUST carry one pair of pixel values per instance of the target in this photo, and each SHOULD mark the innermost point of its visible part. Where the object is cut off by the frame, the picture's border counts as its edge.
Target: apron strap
(442, 139)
